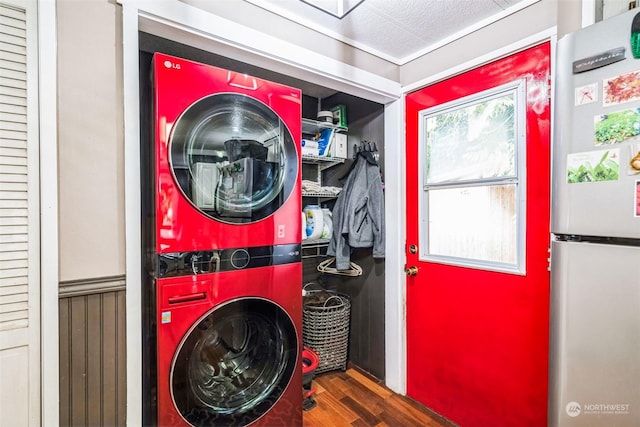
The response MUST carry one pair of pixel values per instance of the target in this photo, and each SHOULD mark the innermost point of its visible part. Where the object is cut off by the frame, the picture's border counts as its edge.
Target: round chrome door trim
(209, 405)
(235, 107)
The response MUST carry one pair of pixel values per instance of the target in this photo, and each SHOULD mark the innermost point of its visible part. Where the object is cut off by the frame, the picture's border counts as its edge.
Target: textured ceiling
(398, 30)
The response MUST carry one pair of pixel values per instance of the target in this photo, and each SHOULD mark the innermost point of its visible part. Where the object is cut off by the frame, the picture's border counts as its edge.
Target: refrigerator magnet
(637, 204)
(593, 166)
(616, 127)
(586, 94)
(621, 88)
(634, 162)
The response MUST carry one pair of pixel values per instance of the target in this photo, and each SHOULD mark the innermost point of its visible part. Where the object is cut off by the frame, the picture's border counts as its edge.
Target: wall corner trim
(133, 257)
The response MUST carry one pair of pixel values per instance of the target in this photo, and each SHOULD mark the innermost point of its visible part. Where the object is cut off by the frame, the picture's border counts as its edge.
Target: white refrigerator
(594, 359)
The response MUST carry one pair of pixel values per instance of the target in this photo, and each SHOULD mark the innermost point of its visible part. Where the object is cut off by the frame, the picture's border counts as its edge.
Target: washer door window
(234, 364)
(233, 158)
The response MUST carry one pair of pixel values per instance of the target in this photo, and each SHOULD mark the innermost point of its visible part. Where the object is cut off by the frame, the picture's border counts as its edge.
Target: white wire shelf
(316, 243)
(329, 161)
(310, 126)
(321, 195)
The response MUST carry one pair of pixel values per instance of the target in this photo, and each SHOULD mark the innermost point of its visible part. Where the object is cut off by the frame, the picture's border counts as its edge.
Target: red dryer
(227, 158)
(226, 260)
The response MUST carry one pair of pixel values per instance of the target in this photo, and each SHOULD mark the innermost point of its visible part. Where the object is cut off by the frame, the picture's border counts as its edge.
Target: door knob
(411, 271)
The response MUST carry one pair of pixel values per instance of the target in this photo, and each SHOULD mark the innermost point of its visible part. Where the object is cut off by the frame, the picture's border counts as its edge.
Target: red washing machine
(227, 315)
(229, 344)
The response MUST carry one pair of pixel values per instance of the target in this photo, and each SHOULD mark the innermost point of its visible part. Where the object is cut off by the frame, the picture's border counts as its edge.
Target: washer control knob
(240, 258)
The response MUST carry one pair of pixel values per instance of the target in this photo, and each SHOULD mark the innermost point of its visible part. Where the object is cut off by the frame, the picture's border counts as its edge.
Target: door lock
(413, 249)
(411, 271)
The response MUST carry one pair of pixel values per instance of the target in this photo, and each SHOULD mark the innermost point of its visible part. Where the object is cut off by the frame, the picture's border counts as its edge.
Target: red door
(477, 329)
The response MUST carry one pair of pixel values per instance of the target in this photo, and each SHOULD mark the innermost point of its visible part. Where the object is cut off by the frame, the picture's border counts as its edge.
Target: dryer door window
(233, 158)
(234, 364)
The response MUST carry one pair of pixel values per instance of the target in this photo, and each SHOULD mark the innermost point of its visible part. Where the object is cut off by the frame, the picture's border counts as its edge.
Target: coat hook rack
(365, 146)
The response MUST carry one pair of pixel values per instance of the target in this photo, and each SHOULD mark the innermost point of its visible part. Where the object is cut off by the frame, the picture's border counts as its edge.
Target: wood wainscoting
(92, 353)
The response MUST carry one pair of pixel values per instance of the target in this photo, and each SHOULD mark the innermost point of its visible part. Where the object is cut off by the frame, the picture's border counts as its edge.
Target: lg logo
(573, 409)
(170, 64)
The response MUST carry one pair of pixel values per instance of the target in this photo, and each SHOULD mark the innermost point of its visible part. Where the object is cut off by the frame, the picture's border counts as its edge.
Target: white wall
(90, 131)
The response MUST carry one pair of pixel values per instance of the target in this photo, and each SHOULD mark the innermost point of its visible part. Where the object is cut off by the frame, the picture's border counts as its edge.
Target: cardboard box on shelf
(309, 147)
(339, 146)
(340, 115)
(324, 141)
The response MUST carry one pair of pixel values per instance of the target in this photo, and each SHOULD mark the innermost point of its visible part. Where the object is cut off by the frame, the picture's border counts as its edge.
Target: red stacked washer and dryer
(226, 258)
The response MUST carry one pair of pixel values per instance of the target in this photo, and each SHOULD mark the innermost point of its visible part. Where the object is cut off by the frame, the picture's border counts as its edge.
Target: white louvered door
(19, 212)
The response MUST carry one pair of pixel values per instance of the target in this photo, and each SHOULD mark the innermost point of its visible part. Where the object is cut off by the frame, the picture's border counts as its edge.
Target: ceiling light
(337, 8)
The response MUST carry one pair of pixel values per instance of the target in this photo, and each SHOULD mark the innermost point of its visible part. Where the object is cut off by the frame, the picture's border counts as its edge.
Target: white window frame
(518, 88)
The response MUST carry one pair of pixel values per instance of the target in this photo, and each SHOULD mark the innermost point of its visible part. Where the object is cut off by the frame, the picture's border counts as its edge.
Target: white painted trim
(516, 88)
(48, 135)
(180, 15)
(395, 279)
(133, 227)
(588, 12)
(309, 23)
(484, 59)
(35, 329)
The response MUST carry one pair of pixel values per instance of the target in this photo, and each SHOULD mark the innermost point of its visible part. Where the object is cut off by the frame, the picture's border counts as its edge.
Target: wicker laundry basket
(325, 328)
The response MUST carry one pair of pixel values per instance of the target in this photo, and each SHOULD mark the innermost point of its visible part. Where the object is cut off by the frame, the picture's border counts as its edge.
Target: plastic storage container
(315, 223)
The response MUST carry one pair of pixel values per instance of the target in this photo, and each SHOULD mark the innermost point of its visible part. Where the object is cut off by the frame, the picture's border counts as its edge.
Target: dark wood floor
(354, 399)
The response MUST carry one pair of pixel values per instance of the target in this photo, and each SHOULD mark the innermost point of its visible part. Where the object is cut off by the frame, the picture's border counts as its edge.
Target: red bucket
(310, 362)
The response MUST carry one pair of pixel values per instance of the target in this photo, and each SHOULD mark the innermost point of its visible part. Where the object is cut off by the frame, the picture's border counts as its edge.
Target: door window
(233, 158)
(473, 191)
(234, 364)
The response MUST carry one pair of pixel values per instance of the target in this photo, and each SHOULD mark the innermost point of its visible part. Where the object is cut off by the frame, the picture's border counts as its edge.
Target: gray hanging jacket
(358, 215)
